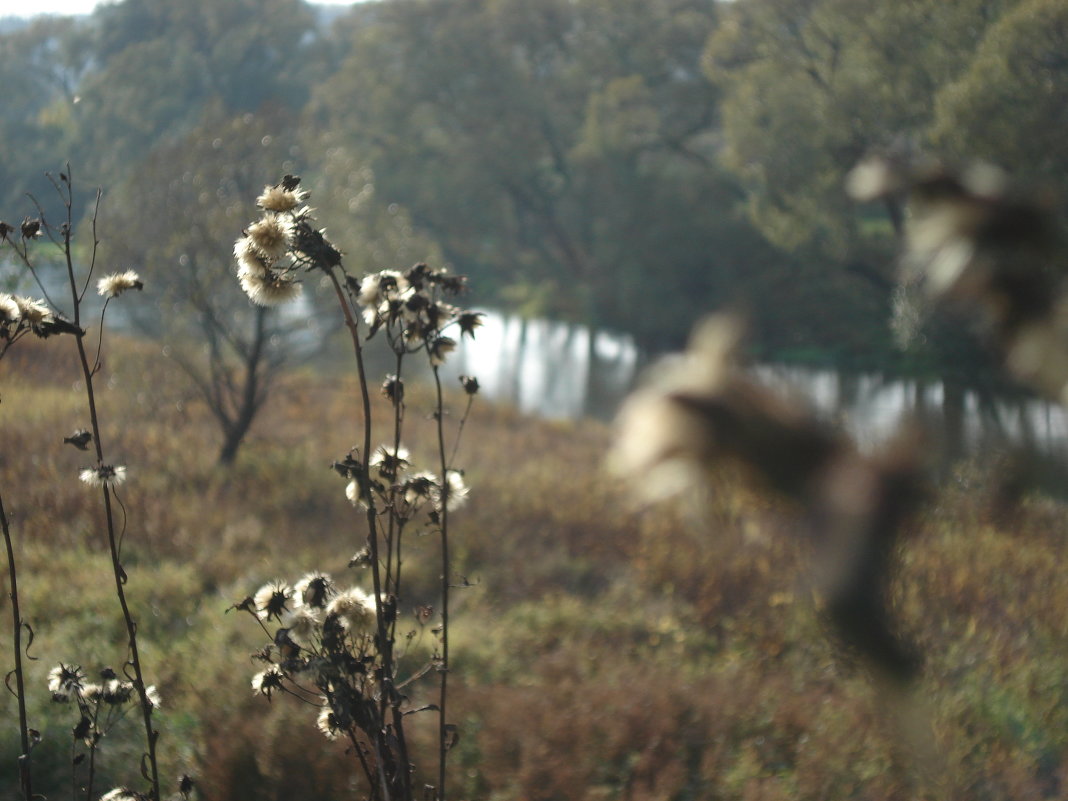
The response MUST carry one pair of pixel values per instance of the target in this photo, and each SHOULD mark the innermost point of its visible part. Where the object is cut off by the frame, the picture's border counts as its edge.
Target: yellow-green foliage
(599, 651)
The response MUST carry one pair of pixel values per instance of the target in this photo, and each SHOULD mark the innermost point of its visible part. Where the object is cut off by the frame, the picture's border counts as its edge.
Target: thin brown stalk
(118, 572)
(25, 777)
(393, 535)
(460, 429)
(445, 573)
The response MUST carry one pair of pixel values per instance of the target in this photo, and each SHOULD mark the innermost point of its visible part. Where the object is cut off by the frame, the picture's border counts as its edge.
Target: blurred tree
(1011, 105)
(559, 151)
(41, 69)
(809, 88)
(175, 221)
(159, 65)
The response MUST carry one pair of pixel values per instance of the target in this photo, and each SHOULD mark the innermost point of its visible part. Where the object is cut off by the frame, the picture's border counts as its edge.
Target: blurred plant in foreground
(338, 649)
(701, 410)
(969, 239)
(975, 241)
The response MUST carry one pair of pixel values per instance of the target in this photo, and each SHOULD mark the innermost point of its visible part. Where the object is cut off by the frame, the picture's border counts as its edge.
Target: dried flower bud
(440, 348)
(80, 439)
(267, 681)
(468, 322)
(470, 384)
(272, 599)
(31, 228)
(393, 390)
(65, 678)
(361, 558)
(314, 590)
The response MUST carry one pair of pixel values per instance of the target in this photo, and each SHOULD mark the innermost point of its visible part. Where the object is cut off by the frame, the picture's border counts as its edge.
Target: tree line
(622, 164)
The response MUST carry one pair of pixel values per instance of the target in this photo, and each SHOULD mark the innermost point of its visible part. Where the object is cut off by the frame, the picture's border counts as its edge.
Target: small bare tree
(177, 216)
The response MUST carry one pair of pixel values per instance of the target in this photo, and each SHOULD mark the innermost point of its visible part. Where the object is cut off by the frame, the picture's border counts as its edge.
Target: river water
(558, 370)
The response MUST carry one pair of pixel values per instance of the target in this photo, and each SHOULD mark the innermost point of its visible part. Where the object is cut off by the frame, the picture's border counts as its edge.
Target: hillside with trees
(624, 165)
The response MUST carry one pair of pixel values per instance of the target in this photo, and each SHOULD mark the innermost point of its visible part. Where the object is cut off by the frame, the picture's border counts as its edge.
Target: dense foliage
(628, 165)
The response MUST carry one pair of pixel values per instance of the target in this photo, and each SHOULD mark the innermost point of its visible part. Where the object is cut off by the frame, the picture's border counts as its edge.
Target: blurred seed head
(468, 322)
(354, 609)
(974, 239)
(440, 348)
(272, 600)
(269, 289)
(104, 475)
(80, 439)
(268, 681)
(328, 723)
(314, 590)
(470, 384)
(30, 228)
(282, 197)
(272, 235)
(388, 462)
(111, 286)
(303, 624)
(65, 678)
(393, 389)
(450, 494)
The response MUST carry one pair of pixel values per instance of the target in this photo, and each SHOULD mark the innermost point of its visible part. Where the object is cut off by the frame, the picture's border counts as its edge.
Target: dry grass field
(600, 652)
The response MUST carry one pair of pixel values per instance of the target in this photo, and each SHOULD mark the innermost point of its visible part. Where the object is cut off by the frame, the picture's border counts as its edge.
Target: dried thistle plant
(43, 318)
(21, 316)
(99, 706)
(340, 650)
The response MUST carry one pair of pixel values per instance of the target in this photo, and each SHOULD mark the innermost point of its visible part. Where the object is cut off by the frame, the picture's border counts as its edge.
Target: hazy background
(606, 172)
(619, 166)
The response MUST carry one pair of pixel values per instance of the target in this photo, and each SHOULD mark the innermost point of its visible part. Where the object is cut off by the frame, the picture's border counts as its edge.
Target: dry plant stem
(16, 642)
(363, 762)
(393, 535)
(116, 567)
(445, 572)
(460, 429)
(384, 642)
(92, 769)
(73, 776)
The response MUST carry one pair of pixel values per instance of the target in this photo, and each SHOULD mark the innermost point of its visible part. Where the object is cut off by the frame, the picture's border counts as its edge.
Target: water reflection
(558, 370)
(551, 369)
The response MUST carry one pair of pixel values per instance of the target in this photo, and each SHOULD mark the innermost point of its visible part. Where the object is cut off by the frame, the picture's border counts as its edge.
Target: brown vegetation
(600, 652)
